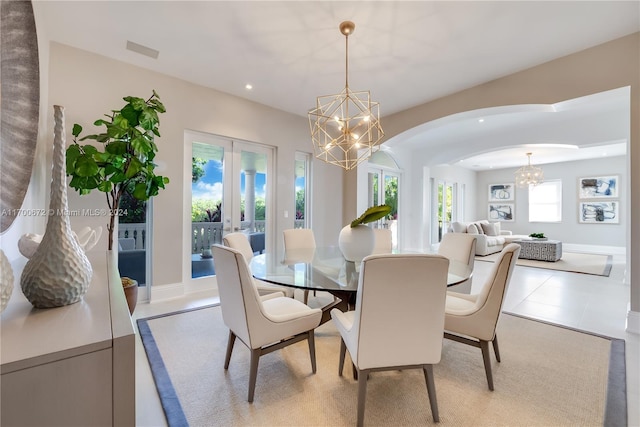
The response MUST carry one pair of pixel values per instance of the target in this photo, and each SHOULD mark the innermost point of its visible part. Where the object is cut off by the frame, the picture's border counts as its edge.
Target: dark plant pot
(131, 292)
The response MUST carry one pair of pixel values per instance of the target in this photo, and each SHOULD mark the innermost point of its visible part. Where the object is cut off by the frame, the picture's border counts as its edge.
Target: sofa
(490, 238)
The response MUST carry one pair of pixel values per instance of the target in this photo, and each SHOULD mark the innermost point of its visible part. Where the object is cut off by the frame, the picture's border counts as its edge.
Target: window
(545, 202)
(303, 161)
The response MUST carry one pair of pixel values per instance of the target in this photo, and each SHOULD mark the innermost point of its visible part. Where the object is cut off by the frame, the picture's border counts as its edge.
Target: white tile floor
(590, 303)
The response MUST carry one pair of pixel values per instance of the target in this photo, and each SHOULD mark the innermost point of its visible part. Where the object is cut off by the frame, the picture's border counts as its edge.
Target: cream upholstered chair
(299, 238)
(263, 323)
(472, 319)
(240, 242)
(384, 241)
(398, 321)
(459, 247)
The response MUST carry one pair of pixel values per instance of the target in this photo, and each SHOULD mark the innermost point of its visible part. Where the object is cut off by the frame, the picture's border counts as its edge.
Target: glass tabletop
(324, 268)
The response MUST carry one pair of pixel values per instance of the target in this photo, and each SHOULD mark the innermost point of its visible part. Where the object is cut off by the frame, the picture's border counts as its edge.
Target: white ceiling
(406, 52)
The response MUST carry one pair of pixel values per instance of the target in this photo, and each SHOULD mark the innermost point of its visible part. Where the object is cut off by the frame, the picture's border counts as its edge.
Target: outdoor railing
(137, 231)
(203, 234)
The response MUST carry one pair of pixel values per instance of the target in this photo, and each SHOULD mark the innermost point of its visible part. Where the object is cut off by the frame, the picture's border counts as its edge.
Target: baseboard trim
(633, 322)
(595, 249)
(164, 292)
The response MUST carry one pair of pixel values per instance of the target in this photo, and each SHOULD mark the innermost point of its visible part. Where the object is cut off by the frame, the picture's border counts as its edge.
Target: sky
(210, 185)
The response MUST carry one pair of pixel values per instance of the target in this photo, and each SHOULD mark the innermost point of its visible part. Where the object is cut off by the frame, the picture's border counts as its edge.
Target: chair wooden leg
(305, 298)
(431, 390)
(230, 342)
(486, 356)
(253, 372)
(496, 350)
(362, 395)
(343, 351)
(312, 350)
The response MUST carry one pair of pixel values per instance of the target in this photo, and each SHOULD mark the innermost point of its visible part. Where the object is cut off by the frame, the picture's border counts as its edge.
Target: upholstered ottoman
(540, 250)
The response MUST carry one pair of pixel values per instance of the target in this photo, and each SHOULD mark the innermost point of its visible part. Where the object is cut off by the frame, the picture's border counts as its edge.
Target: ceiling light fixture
(345, 128)
(529, 175)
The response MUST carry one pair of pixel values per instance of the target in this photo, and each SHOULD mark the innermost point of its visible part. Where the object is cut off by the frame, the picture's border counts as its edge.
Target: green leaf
(73, 152)
(118, 177)
(89, 149)
(116, 148)
(135, 102)
(159, 106)
(155, 94)
(135, 166)
(102, 157)
(141, 145)
(105, 186)
(130, 113)
(101, 122)
(86, 166)
(140, 191)
(374, 213)
(103, 137)
(89, 137)
(76, 130)
(148, 118)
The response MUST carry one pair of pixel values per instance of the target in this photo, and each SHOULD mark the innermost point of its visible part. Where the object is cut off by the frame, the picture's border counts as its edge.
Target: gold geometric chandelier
(345, 128)
(529, 175)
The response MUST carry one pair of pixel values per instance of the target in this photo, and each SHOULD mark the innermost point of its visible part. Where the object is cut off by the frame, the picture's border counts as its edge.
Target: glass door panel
(208, 200)
(251, 201)
(387, 193)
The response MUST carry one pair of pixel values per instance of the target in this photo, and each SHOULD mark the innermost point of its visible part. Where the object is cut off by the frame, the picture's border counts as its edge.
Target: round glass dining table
(325, 269)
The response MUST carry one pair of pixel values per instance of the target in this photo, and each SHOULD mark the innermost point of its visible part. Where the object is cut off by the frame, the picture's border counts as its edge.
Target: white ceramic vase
(59, 272)
(357, 242)
(6, 280)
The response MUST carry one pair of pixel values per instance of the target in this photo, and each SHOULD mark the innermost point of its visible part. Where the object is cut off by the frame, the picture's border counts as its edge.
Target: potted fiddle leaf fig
(123, 160)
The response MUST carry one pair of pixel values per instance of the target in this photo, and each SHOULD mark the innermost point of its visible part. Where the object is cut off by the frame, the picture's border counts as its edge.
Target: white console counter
(72, 365)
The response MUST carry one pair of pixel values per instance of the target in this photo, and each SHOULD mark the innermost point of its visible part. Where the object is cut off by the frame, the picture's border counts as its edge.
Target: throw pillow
(497, 226)
(472, 229)
(489, 229)
(459, 227)
(479, 227)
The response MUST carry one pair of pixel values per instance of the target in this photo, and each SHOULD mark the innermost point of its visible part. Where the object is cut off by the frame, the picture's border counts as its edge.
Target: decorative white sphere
(6, 281)
(357, 242)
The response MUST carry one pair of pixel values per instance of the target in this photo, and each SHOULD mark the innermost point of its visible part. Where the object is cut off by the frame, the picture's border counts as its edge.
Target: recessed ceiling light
(248, 86)
(480, 120)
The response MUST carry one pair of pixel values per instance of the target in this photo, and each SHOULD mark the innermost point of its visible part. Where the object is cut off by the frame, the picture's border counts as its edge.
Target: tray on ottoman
(540, 250)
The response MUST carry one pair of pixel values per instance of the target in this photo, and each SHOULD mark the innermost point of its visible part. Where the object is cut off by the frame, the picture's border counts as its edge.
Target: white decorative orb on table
(356, 242)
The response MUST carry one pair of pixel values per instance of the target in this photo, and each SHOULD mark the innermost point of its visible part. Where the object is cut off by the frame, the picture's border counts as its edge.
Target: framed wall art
(501, 212)
(598, 187)
(501, 192)
(601, 212)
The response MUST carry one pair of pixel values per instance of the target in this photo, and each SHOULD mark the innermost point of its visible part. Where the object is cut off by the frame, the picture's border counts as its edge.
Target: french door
(446, 193)
(230, 192)
(383, 189)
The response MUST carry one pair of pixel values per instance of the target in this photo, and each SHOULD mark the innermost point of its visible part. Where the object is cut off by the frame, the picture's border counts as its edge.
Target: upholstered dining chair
(472, 319)
(459, 247)
(240, 242)
(296, 239)
(263, 323)
(384, 241)
(398, 320)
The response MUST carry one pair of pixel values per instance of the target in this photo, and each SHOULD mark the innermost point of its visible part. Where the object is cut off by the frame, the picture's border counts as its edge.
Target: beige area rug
(549, 376)
(574, 262)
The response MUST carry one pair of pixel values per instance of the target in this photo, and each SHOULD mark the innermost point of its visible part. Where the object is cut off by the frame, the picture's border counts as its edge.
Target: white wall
(569, 230)
(89, 85)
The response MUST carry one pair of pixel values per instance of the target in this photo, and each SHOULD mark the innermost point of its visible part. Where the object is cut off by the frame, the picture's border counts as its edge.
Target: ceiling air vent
(143, 50)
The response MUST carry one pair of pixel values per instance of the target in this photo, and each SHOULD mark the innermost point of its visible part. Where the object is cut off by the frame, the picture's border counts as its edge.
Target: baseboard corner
(633, 322)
